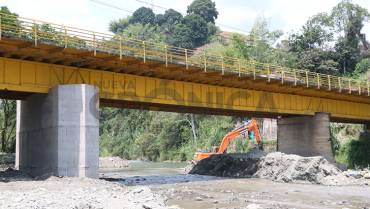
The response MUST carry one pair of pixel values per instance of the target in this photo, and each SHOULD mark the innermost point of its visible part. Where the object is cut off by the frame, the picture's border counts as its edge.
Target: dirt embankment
(112, 163)
(279, 167)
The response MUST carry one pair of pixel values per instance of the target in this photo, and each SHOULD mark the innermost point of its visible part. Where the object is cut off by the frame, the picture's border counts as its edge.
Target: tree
(7, 125)
(159, 19)
(117, 26)
(198, 28)
(143, 15)
(205, 9)
(181, 37)
(191, 33)
(316, 33)
(144, 32)
(349, 19)
(362, 68)
(171, 19)
(312, 45)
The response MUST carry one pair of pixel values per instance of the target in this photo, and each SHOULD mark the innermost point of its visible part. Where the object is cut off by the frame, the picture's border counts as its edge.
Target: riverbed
(199, 192)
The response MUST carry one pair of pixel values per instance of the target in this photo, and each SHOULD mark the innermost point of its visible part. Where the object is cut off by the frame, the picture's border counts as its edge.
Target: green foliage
(341, 29)
(355, 153)
(143, 15)
(144, 32)
(350, 144)
(171, 19)
(205, 9)
(191, 31)
(362, 68)
(10, 19)
(138, 134)
(119, 25)
(7, 125)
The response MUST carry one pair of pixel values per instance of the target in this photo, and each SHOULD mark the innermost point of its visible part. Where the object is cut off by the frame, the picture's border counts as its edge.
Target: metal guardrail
(70, 37)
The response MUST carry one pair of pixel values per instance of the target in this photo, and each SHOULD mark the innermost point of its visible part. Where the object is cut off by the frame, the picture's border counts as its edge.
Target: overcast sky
(238, 15)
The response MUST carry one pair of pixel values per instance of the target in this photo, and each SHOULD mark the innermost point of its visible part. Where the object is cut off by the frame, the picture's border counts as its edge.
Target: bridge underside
(20, 78)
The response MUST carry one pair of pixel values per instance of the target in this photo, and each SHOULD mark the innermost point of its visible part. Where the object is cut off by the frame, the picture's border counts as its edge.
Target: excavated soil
(275, 166)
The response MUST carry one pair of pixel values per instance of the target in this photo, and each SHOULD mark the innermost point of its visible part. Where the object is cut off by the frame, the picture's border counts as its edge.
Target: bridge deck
(42, 42)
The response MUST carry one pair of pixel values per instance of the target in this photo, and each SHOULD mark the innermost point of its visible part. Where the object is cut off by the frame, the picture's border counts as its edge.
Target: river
(200, 192)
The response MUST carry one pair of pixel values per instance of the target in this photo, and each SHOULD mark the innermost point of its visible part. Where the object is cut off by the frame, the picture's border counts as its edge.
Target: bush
(355, 153)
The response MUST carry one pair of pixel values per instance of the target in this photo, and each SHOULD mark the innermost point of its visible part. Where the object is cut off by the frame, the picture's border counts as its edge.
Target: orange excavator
(250, 126)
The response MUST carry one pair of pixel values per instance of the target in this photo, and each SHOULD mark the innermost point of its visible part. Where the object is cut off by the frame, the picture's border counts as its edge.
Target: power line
(217, 23)
(163, 8)
(112, 6)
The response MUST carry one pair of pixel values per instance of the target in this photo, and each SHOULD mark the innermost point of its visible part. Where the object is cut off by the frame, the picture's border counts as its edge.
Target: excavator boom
(251, 125)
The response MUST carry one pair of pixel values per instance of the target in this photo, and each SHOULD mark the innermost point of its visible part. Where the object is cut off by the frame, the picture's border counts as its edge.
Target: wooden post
(144, 52)
(186, 58)
(307, 79)
(318, 80)
(222, 65)
(329, 83)
(359, 88)
(254, 73)
(268, 73)
(166, 54)
(65, 37)
(282, 77)
(94, 42)
(349, 86)
(295, 77)
(340, 84)
(239, 67)
(35, 32)
(120, 47)
(205, 61)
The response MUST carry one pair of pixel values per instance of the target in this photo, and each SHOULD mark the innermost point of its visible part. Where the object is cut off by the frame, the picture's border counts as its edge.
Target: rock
(354, 174)
(253, 206)
(146, 207)
(198, 199)
(367, 175)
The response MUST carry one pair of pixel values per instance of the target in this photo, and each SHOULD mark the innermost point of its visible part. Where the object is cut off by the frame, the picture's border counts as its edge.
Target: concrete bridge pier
(57, 133)
(305, 136)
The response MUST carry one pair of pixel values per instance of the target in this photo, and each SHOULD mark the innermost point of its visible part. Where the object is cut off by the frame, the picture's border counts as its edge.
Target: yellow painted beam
(36, 77)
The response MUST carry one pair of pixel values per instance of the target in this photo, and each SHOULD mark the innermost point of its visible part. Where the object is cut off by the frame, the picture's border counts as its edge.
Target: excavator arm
(251, 125)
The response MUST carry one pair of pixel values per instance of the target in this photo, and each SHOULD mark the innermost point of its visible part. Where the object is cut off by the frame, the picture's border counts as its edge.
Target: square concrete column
(306, 136)
(58, 132)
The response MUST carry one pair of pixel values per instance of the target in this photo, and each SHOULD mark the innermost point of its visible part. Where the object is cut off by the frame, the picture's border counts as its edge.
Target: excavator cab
(250, 126)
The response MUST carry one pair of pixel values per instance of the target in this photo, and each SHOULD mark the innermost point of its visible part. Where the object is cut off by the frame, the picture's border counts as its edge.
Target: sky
(234, 15)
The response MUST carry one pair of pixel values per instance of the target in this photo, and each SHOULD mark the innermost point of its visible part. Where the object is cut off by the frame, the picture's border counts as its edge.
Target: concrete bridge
(61, 74)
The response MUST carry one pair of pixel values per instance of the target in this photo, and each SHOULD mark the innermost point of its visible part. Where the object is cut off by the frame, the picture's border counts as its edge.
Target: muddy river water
(199, 192)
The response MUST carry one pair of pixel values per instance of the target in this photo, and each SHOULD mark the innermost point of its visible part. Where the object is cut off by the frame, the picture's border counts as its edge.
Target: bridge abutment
(58, 132)
(305, 136)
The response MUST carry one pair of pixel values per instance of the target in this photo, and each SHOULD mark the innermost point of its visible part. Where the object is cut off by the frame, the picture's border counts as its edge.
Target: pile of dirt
(228, 165)
(276, 166)
(112, 163)
(293, 168)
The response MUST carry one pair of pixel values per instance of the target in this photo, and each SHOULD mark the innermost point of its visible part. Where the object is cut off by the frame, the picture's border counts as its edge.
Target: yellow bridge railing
(40, 32)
